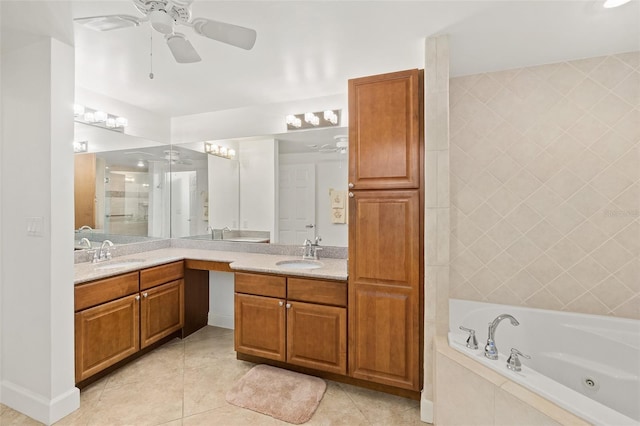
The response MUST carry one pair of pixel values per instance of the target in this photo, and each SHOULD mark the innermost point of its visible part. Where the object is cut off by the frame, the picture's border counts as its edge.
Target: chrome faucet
(86, 242)
(490, 350)
(104, 253)
(310, 250)
(219, 231)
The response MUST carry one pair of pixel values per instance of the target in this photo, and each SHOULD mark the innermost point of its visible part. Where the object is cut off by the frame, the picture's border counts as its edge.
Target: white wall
(37, 270)
(257, 120)
(221, 299)
(331, 172)
(258, 162)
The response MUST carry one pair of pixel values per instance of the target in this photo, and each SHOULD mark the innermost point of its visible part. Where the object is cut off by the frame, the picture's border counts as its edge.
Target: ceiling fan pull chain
(151, 56)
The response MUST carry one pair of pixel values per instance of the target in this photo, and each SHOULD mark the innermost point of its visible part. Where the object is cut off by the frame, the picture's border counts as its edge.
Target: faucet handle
(513, 363)
(472, 342)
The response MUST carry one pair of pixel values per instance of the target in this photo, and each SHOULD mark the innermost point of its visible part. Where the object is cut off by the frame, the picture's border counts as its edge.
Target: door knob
(350, 185)
(288, 305)
(351, 195)
(138, 297)
(145, 294)
(280, 303)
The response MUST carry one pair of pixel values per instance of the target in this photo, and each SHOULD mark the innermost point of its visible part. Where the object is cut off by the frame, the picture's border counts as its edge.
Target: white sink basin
(119, 264)
(299, 264)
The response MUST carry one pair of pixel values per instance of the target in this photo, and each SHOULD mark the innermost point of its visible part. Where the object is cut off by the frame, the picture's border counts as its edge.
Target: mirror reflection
(274, 189)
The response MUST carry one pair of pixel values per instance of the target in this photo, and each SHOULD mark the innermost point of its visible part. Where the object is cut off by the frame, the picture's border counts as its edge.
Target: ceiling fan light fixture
(161, 21)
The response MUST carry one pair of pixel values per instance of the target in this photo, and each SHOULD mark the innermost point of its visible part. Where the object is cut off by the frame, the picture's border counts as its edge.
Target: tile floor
(184, 383)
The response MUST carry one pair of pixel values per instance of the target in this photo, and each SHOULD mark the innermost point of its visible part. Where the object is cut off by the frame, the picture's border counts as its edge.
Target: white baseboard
(38, 407)
(426, 410)
(223, 321)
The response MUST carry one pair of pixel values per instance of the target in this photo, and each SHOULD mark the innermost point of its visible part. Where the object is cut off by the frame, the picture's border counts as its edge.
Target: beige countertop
(333, 269)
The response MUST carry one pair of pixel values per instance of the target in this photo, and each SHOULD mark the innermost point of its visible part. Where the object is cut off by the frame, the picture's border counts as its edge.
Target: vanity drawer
(105, 290)
(157, 275)
(261, 285)
(317, 291)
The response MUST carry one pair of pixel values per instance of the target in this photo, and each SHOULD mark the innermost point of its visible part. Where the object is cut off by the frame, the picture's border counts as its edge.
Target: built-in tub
(586, 364)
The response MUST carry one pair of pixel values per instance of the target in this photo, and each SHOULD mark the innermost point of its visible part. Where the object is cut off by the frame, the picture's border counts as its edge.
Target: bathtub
(587, 364)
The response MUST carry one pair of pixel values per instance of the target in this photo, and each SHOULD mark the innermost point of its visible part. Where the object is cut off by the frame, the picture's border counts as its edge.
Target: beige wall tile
(459, 387)
(545, 182)
(510, 411)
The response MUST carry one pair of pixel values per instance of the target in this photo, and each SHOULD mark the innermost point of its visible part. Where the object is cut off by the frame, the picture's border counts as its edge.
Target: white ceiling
(308, 49)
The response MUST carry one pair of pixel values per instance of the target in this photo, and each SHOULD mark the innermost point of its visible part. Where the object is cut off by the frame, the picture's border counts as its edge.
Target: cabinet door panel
(384, 240)
(260, 326)
(384, 131)
(162, 311)
(105, 335)
(317, 337)
(383, 336)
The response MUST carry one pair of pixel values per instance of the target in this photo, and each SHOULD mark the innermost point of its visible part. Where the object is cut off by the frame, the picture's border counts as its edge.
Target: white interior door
(297, 206)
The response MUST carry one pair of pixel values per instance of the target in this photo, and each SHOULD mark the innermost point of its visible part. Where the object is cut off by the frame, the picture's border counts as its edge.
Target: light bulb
(100, 116)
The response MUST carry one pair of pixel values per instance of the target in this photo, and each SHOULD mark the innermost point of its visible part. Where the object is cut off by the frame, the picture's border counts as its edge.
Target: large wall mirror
(280, 188)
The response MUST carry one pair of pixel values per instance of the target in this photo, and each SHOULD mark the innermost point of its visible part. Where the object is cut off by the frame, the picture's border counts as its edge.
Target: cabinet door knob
(351, 185)
(288, 305)
(281, 303)
(350, 194)
(145, 294)
(138, 297)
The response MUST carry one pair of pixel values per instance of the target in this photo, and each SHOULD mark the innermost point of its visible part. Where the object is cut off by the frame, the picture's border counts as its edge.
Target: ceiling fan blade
(231, 34)
(182, 49)
(109, 22)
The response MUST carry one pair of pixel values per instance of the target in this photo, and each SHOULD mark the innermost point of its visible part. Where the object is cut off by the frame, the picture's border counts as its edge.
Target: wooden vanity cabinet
(118, 316)
(384, 130)
(162, 302)
(107, 322)
(292, 320)
(161, 312)
(385, 229)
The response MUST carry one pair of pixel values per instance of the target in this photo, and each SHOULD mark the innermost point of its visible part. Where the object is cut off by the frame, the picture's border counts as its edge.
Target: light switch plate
(35, 226)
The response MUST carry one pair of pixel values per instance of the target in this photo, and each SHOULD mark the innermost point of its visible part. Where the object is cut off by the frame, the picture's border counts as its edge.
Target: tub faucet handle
(472, 342)
(513, 363)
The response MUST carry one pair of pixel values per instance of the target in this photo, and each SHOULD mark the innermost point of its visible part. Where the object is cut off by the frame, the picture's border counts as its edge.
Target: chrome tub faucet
(490, 350)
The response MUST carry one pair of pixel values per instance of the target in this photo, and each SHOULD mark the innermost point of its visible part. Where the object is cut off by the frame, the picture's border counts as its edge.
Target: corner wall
(437, 209)
(37, 368)
(545, 186)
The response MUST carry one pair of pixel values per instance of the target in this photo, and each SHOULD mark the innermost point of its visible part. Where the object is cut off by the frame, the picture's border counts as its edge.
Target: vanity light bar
(83, 114)
(219, 151)
(313, 120)
(80, 147)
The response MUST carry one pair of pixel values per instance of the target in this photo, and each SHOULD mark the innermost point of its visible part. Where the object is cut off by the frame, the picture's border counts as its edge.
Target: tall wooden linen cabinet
(386, 229)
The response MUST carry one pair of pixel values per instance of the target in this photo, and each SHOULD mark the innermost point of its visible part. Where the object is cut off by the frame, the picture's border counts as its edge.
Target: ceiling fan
(341, 146)
(170, 156)
(164, 15)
